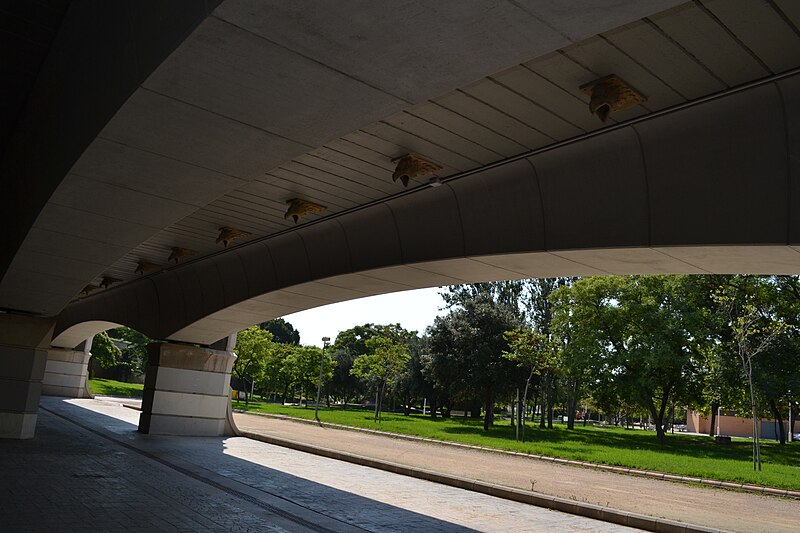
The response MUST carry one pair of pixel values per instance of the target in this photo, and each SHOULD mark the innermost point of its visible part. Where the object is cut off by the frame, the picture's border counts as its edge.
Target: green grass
(687, 455)
(109, 387)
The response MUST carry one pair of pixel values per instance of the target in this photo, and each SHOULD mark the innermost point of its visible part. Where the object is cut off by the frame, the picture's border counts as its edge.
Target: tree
(468, 343)
(134, 352)
(636, 335)
(755, 327)
(412, 385)
(275, 376)
(531, 351)
(104, 351)
(253, 347)
(383, 365)
(282, 331)
(302, 367)
(538, 302)
(343, 384)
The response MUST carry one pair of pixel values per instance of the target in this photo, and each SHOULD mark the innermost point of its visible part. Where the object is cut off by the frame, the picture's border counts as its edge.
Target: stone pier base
(23, 354)
(66, 373)
(187, 391)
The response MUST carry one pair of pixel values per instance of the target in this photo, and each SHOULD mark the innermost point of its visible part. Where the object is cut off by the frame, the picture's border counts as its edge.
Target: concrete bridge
(151, 151)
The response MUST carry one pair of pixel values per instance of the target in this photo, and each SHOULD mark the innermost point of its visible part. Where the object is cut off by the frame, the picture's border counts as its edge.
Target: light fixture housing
(145, 266)
(611, 93)
(412, 166)
(108, 281)
(228, 234)
(179, 254)
(299, 207)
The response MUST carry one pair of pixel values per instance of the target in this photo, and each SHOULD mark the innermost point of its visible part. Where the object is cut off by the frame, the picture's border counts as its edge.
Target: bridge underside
(690, 191)
(137, 134)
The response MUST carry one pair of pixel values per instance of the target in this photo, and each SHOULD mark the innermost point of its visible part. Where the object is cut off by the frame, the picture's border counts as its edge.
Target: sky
(414, 310)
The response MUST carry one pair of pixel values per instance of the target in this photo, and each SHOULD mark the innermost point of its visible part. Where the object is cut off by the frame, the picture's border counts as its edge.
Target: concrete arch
(645, 197)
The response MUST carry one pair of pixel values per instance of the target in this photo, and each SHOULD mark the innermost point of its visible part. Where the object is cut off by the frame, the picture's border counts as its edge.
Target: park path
(705, 506)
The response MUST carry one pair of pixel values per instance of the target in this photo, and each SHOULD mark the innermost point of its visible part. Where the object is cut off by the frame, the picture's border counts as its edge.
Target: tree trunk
(488, 416)
(572, 400)
(514, 413)
(777, 414)
(434, 407)
(523, 404)
(380, 401)
(543, 406)
(672, 419)
(791, 419)
(658, 417)
(748, 368)
(712, 430)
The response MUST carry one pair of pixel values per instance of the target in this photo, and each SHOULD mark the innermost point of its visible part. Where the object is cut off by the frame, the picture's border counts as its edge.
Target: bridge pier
(23, 356)
(187, 391)
(67, 372)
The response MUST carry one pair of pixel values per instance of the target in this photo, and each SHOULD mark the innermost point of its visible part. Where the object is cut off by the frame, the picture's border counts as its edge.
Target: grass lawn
(687, 455)
(109, 387)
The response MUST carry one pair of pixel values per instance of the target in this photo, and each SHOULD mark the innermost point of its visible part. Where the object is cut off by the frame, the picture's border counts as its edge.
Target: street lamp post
(319, 383)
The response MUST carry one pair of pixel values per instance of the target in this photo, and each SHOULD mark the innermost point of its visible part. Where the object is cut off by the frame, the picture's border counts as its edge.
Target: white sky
(414, 310)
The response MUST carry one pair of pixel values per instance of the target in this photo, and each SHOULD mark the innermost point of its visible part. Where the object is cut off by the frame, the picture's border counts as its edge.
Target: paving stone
(88, 469)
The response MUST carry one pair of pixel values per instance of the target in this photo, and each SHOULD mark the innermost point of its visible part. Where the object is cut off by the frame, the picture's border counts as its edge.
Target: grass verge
(109, 387)
(687, 455)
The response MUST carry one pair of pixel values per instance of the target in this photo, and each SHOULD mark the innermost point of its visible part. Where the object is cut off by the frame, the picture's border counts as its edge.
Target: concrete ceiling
(263, 103)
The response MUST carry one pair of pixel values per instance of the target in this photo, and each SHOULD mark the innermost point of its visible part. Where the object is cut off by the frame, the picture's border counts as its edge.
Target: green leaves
(384, 363)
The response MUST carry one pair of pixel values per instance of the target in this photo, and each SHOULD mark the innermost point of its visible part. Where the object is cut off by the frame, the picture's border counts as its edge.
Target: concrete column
(187, 391)
(67, 372)
(23, 355)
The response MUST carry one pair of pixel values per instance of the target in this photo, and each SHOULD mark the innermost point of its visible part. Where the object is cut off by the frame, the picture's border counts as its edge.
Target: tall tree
(105, 351)
(470, 341)
(531, 351)
(382, 366)
(750, 307)
(302, 365)
(282, 331)
(253, 346)
(538, 302)
(638, 335)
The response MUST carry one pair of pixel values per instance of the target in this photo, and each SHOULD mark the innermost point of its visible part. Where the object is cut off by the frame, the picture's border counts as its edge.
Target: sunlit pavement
(88, 469)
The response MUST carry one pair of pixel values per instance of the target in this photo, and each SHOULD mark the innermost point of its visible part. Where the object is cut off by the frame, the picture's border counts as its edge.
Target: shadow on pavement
(292, 502)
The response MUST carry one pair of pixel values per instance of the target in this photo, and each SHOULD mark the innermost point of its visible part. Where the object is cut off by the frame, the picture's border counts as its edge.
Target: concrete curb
(588, 510)
(755, 489)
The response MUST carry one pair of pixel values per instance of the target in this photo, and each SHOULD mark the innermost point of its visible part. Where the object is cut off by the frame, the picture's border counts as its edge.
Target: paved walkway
(88, 470)
(715, 508)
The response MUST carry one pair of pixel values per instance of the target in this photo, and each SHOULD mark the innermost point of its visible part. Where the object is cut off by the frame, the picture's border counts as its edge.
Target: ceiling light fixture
(299, 207)
(611, 93)
(412, 166)
(179, 253)
(227, 235)
(145, 266)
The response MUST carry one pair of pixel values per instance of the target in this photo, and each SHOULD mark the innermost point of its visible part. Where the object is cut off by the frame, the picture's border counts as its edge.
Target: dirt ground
(700, 505)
